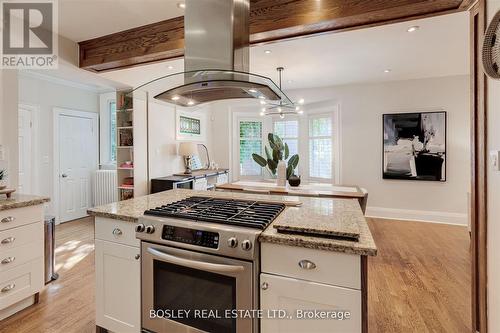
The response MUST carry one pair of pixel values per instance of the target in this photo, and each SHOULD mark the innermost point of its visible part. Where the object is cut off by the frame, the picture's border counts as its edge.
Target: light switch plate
(495, 159)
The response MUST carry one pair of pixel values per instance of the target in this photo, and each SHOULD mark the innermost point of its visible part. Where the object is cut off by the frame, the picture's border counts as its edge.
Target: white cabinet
(326, 283)
(294, 296)
(118, 269)
(21, 258)
(200, 184)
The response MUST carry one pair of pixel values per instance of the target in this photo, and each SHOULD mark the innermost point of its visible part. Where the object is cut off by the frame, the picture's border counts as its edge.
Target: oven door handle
(206, 266)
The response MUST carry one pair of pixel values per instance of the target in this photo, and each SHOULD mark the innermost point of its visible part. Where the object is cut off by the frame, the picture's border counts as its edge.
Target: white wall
(361, 109)
(105, 128)
(46, 95)
(163, 144)
(493, 99)
(8, 131)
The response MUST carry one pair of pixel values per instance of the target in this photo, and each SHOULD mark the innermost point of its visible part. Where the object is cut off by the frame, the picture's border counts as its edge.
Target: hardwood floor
(67, 304)
(419, 282)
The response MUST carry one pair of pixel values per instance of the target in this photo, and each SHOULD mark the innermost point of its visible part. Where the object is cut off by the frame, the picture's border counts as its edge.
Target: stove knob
(232, 242)
(140, 228)
(246, 245)
(150, 229)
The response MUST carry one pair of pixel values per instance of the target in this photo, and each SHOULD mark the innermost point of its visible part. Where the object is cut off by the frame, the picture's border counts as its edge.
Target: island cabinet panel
(118, 275)
(302, 299)
(335, 268)
(117, 287)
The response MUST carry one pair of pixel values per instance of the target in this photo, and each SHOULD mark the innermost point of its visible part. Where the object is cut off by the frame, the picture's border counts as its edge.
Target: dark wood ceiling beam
(270, 20)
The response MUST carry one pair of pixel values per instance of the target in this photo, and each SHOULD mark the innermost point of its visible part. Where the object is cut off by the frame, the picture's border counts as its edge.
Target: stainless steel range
(200, 264)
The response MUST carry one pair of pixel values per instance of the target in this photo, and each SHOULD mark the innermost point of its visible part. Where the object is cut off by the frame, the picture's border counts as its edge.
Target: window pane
(320, 127)
(287, 128)
(112, 117)
(320, 158)
(248, 167)
(250, 129)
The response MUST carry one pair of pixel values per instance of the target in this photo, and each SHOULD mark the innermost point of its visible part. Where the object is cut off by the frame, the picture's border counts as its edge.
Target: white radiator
(105, 184)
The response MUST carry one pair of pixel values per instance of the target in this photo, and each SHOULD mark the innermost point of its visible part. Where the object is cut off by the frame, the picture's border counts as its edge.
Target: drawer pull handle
(8, 219)
(8, 287)
(8, 240)
(264, 285)
(137, 256)
(117, 232)
(307, 264)
(8, 260)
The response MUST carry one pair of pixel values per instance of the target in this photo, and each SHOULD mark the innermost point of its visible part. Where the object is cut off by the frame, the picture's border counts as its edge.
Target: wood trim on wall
(479, 171)
(270, 21)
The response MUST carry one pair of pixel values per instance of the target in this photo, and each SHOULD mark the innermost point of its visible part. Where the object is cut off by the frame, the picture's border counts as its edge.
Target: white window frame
(236, 135)
(334, 114)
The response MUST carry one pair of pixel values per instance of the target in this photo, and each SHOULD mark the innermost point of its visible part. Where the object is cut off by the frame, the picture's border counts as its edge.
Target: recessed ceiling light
(301, 101)
(175, 98)
(181, 5)
(267, 51)
(413, 28)
(191, 102)
(170, 67)
(387, 70)
(279, 109)
(262, 113)
(297, 108)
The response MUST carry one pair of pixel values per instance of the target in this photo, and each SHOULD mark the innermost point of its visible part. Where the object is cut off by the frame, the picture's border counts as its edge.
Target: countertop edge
(113, 216)
(23, 203)
(298, 242)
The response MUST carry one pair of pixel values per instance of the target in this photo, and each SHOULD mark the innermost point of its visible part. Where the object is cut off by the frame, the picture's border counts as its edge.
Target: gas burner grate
(252, 214)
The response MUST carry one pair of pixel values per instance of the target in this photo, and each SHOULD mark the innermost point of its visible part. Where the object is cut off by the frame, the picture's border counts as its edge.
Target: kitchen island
(327, 273)
(21, 252)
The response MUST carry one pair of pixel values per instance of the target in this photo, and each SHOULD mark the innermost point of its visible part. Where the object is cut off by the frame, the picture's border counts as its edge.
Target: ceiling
(111, 15)
(439, 48)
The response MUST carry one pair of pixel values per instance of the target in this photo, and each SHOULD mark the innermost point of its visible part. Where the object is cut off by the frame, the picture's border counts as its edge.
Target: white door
(25, 149)
(300, 298)
(77, 147)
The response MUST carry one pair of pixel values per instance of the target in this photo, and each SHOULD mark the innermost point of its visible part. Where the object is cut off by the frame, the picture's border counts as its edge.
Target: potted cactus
(3, 179)
(277, 151)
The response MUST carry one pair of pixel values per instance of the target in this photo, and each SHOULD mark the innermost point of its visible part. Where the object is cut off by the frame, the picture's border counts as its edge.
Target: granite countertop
(21, 200)
(319, 211)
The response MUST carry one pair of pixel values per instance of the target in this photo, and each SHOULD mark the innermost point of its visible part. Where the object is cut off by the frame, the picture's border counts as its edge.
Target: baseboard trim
(418, 215)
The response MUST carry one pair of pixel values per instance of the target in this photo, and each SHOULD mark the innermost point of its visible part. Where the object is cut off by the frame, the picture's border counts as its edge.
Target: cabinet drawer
(20, 255)
(297, 297)
(26, 234)
(328, 267)
(12, 218)
(116, 231)
(20, 282)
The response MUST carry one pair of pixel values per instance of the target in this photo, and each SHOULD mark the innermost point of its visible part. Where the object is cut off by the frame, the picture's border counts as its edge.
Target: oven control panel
(190, 236)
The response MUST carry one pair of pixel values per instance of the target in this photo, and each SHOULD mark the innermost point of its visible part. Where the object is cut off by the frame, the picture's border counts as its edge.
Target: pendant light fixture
(281, 108)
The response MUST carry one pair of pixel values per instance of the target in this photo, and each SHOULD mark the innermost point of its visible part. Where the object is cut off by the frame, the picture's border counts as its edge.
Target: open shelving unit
(125, 144)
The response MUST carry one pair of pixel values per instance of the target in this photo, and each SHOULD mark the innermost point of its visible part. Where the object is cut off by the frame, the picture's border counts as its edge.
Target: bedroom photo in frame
(414, 146)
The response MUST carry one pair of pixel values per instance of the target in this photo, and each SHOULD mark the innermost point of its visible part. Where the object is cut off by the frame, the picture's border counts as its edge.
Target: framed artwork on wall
(414, 146)
(190, 126)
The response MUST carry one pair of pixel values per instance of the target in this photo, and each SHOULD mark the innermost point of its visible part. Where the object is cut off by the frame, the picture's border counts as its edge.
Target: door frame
(57, 112)
(35, 144)
(479, 164)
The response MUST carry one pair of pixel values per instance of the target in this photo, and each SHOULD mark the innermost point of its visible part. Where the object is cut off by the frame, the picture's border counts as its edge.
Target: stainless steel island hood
(216, 60)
